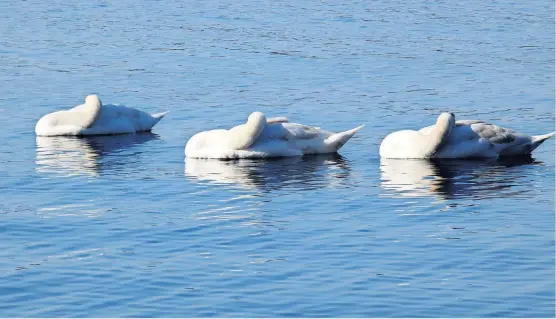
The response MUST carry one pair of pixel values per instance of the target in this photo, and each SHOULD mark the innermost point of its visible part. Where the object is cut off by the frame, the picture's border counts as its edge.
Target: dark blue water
(123, 226)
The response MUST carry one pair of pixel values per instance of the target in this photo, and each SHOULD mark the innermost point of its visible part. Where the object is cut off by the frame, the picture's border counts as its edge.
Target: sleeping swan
(262, 138)
(461, 139)
(93, 118)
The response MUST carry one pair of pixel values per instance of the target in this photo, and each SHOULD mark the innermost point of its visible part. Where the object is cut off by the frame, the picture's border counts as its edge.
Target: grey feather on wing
(495, 134)
(504, 138)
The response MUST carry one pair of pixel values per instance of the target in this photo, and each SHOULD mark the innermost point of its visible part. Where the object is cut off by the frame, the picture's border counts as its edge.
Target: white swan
(262, 138)
(461, 139)
(93, 118)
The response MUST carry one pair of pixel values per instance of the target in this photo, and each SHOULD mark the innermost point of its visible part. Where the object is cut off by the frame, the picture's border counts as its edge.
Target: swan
(94, 118)
(263, 138)
(461, 139)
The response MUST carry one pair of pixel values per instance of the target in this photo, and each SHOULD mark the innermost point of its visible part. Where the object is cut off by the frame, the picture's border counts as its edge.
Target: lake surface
(123, 226)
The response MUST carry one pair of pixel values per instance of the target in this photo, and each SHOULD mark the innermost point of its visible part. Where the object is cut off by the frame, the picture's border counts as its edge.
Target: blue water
(123, 226)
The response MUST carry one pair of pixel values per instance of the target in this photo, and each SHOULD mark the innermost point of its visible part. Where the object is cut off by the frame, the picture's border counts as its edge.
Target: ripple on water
(124, 226)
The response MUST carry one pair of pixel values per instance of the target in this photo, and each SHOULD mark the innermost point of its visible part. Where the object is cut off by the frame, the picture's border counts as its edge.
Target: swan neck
(438, 135)
(92, 111)
(243, 136)
(256, 124)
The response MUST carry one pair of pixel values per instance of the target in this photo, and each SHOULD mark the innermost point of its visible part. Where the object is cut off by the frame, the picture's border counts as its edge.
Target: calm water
(123, 226)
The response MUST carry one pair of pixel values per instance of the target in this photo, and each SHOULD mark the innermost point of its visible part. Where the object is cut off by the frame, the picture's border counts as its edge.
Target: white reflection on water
(455, 178)
(68, 156)
(303, 173)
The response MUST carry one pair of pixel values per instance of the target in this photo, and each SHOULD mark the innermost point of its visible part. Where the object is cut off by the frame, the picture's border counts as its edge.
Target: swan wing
(274, 120)
(460, 123)
(299, 139)
(466, 130)
(482, 139)
(292, 132)
(494, 134)
(468, 122)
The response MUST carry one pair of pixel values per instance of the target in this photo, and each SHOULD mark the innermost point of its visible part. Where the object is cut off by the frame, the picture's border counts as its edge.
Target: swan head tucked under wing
(256, 118)
(243, 136)
(416, 144)
(444, 124)
(446, 121)
(430, 143)
(73, 121)
(91, 110)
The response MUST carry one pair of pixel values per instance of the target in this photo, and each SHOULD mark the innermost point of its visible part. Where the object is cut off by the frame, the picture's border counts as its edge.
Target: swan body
(263, 138)
(449, 138)
(94, 118)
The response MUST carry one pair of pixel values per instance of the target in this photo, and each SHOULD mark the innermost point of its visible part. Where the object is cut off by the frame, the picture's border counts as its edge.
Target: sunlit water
(123, 226)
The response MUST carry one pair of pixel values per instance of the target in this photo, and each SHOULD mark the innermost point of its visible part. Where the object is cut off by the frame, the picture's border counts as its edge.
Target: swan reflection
(453, 178)
(302, 173)
(83, 155)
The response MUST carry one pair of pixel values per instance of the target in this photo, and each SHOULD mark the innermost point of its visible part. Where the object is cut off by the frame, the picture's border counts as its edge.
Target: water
(122, 226)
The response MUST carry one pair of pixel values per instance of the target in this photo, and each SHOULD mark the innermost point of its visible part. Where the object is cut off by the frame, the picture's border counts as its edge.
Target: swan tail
(336, 141)
(157, 117)
(526, 146)
(539, 139)
(146, 123)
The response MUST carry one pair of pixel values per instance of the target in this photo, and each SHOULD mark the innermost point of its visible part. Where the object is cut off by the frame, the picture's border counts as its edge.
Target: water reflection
(85, 155)
(455, 178)
(302, 173)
